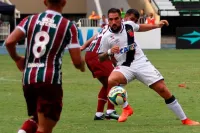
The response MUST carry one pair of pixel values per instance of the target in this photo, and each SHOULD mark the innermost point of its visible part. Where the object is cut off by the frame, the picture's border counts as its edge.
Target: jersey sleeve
(73, 42)
(104, 45)
(23, 25)
(135, 26)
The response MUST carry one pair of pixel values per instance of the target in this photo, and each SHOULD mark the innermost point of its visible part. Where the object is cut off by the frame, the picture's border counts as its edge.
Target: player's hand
(82, 48)
(115, 49)
(162, 23)
(82, 69)
(21, 63)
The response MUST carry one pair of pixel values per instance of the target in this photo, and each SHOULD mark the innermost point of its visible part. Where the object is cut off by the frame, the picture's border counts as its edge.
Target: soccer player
(101, 71)
(119, 41)
(48, 34)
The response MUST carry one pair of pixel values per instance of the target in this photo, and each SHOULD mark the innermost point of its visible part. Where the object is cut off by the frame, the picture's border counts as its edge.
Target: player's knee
(162, 88)
(112, 82)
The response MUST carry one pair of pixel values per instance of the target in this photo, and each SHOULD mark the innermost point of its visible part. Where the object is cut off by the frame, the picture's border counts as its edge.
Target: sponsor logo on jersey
(131, 33)
(47, 22)
(128, 48)
(30, 65)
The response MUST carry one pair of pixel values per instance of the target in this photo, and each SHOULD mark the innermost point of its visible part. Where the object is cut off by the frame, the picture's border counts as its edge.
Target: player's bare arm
(11, 43)
(77, 60)
(106, 55)
(87, 43)
(147, 27)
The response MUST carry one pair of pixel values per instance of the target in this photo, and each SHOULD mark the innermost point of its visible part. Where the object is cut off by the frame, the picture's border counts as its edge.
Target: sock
(110, 106)
(102, 99)
(125, 105)
(38, 132)
(21, 131)
(109, 111)
(173, 104)
(29, 126)
(99, 114)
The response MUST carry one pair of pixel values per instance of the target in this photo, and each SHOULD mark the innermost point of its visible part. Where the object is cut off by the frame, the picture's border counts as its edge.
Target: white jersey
(110, 39)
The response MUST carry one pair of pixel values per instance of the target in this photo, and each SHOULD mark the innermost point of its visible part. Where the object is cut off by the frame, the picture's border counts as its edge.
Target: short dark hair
(114, 10)
(133, 11)
(54, 1)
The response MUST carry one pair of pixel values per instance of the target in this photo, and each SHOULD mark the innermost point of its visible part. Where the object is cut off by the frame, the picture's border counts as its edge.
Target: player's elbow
(8, 42)
(78, 65)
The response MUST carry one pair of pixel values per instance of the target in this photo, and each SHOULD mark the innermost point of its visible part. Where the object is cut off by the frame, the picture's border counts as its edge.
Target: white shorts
(142, 70)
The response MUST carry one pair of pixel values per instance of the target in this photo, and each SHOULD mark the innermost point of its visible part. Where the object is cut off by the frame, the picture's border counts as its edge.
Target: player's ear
(45, 2)
(64, 3)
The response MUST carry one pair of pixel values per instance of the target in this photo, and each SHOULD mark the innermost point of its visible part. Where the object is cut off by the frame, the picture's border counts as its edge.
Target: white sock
(125, 104)
(99, 114)
(177, 109)
(21, 131)
(109, 111)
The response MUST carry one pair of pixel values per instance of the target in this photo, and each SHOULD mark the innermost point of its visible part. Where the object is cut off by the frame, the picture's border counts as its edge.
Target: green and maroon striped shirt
(48, 34)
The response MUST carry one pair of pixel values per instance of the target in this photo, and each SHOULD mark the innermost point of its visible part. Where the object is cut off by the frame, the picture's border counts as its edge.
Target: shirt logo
(128, 48)
(131, 33)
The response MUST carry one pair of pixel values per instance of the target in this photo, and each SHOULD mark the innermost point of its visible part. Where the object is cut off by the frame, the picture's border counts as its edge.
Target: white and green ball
(117, 95)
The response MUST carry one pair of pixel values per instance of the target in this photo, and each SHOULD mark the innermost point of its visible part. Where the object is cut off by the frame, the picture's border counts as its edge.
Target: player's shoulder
(103, 30)
(107, 32)
(129, 23)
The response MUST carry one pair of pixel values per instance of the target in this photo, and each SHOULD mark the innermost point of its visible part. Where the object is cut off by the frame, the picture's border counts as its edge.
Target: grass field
(80, 94)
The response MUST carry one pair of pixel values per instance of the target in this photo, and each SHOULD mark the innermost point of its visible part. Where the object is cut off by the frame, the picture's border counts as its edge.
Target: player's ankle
(125, 105)
(99, 114)
(109, 111)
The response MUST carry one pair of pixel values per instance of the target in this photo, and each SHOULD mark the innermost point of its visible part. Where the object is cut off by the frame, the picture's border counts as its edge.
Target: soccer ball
(117, 95)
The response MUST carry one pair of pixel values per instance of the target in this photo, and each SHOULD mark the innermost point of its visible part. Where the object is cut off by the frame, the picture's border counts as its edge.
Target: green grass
(80, 97)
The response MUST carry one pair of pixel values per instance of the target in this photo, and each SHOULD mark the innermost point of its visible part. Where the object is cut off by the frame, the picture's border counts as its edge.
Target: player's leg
(150, 76)
(45, 124)
(49, 106)
(110, 112)
(172, 102)
(93, 65)
(122, 75)
(102, 99)
(30, 125)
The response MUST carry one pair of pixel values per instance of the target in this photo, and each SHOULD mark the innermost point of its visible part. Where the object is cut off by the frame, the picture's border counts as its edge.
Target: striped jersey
(48, 34)
(125, 39)
(94, 45)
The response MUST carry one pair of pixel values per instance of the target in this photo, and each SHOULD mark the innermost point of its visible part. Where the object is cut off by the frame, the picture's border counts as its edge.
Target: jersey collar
(53, 12)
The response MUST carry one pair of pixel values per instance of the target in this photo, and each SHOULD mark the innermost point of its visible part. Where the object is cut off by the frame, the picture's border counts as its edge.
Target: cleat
(112, 116)
(99, 118)
(128, 111)
(190, 122)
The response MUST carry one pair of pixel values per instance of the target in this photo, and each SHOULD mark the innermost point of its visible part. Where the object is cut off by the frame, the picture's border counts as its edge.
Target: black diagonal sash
(131, 41)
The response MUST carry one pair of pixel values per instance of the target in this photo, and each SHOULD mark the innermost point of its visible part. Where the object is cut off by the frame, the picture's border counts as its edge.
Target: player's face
(132, 18)
(114, 20)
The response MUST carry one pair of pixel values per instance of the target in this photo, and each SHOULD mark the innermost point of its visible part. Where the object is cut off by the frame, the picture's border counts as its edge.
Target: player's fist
(162, 23)
(20, 63)
(115, 49)
(82, 48)
(82, 69)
